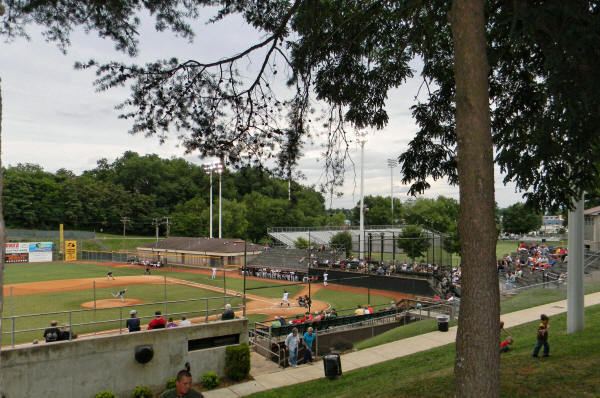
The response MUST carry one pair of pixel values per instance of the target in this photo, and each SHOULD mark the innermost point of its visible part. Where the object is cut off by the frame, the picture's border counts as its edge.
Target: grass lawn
(571, 371)
(526, 299)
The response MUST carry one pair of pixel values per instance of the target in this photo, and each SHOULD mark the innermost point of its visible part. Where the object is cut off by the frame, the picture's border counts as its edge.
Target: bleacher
(328, 323)
(322, 235)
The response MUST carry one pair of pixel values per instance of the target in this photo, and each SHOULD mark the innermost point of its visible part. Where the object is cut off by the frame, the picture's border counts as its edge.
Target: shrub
(105, 394)
(142, 392)
(210, 380)
(170, 383)
(237, 362)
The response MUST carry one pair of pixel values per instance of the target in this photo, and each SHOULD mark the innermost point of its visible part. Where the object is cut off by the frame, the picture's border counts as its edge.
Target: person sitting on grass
(505, 344)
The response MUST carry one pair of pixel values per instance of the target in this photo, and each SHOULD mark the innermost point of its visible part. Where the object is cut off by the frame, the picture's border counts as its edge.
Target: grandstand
(377, 238)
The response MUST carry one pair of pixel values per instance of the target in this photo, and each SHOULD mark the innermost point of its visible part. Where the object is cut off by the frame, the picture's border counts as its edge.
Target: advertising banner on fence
(10, 258)
(40, 252)
(16, 247)
(71, 250)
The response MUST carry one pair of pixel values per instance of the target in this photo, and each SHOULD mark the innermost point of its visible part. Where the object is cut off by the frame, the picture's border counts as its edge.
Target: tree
(542, 80)
(301, 243)
(343, 241)
(520, 219)
(413, 241)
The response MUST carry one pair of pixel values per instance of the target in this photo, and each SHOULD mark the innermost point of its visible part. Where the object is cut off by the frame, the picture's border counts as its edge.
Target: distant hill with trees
(144, 188)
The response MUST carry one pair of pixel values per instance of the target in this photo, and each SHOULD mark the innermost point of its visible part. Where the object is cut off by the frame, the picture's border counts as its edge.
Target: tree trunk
(477, 366)
(2, 232)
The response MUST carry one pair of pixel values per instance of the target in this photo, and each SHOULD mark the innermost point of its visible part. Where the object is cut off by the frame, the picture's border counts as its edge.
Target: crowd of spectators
(277, 274)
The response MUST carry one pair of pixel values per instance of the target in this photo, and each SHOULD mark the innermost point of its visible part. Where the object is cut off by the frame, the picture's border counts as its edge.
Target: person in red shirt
(505, 344)
(158, 322)
(370, 309)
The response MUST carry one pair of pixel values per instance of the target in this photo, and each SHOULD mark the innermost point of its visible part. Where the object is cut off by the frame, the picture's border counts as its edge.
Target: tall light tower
(362, 140)
(216, 167)
(392, 164)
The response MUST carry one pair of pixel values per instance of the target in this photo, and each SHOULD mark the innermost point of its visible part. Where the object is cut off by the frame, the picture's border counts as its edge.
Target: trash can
(442, 321)
(332, 365)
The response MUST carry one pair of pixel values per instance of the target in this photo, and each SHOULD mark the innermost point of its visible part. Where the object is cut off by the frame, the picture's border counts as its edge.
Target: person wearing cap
(158, 322)
(133, 323)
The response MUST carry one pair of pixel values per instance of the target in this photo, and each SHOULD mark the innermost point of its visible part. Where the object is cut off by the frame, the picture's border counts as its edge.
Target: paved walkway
(384, 352)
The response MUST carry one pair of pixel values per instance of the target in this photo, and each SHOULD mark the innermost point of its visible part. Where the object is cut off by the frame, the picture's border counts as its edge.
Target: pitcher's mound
(111, 303)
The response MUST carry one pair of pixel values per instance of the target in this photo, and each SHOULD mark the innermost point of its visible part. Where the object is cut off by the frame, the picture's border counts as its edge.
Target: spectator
(308, 338)
(158, 322)
(66, 334)
(359, 310)
(185, 322)
(291, 343)
(171, 323)
(542, 337)
(133, 323)
(228, 313)
(370, 309)
(52, 333)
(505, 344)
(183, 387)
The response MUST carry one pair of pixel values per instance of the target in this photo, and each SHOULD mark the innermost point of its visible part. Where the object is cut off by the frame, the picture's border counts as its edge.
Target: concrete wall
(84, 367)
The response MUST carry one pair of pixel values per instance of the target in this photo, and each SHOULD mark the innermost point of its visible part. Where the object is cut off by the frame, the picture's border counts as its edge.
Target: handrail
(70, 324)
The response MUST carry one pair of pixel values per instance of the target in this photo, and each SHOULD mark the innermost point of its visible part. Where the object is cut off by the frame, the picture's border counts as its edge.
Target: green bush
(210, 380)
(142, 392)
(237, 362)
(170, 383)
(105, 394)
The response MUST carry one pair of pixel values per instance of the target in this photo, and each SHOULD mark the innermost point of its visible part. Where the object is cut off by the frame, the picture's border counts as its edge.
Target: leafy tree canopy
(520, 219)
(413, 241)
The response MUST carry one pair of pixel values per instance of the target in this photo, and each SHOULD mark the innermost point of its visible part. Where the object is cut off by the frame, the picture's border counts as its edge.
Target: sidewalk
(384, 352)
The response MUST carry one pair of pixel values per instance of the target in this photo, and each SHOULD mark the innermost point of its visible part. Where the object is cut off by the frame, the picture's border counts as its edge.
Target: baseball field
(83, 295)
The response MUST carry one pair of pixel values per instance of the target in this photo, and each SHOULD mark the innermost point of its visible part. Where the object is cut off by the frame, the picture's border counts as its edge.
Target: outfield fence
(85, 322)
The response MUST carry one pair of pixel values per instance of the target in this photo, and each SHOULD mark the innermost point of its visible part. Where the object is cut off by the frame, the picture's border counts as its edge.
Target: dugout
(200, 251)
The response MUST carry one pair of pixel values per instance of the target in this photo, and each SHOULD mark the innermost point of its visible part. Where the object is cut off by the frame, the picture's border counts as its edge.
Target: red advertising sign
(16, 258)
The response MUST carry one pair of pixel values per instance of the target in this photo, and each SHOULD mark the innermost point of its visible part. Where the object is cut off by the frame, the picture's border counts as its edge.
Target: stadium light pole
(362, 139)
(392, 164)
(210, 167)
(220, 171)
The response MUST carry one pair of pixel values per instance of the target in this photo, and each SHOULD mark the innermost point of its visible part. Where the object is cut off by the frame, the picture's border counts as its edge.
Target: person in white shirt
(291, 343)
(185, 322)
(325, 276)
(214, 273)
(285, 299)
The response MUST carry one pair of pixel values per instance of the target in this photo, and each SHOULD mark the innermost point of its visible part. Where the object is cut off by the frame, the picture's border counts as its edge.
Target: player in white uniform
(325, 276)
(285, 299)
(214, 273)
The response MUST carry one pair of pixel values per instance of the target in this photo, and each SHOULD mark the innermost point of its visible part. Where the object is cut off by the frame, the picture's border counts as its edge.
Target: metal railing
(88, 318)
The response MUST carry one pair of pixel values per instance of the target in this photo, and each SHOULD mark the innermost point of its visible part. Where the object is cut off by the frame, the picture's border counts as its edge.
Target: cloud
(54, 117)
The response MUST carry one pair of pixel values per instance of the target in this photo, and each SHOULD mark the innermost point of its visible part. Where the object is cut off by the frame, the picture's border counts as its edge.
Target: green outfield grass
(69, 303)
(36, 272)
(571, 370)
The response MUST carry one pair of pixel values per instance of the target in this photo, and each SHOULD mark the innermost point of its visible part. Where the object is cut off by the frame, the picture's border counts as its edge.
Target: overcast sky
(53, 117)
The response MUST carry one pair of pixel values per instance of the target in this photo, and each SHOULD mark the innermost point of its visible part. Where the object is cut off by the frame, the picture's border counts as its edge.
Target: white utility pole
(210, 167)
(220, 171)
(361, 249)
(392, 164)
(575, 292)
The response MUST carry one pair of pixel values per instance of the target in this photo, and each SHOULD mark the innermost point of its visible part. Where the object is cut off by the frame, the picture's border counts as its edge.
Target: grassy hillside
(571, 370)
